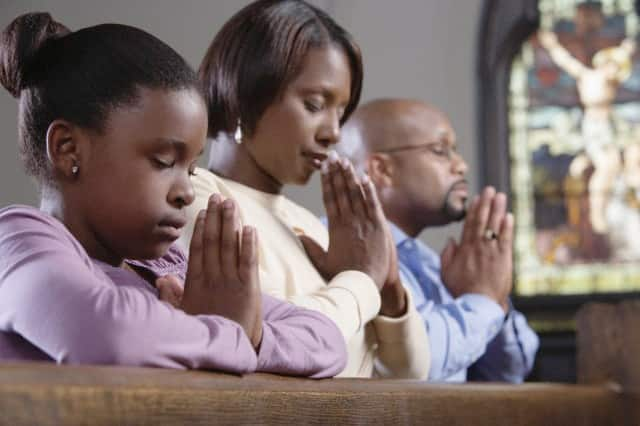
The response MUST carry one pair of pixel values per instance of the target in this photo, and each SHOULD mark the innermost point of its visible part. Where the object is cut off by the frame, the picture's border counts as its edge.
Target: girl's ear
(64, 148)
(380, 169)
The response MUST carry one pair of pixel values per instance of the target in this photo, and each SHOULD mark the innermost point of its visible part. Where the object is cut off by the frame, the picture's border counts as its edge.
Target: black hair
(80, 76)
(259, 51)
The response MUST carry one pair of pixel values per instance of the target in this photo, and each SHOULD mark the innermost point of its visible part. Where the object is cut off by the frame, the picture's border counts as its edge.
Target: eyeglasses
(439, 149)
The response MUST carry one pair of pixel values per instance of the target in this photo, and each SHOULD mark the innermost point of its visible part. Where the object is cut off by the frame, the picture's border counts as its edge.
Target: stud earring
(237, 136)
(75, 169)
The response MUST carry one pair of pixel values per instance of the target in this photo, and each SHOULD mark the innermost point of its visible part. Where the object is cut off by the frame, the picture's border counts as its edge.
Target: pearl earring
(75, 169)
(237, 136)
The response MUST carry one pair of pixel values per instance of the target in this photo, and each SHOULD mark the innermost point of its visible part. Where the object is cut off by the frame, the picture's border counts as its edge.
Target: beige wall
(422, 49)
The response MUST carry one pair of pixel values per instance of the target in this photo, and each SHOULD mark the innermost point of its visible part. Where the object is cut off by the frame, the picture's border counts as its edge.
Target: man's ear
(380, 169)
(63, 148)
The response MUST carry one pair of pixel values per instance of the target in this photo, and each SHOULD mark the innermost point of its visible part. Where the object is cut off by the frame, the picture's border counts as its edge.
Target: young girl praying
(111, 123)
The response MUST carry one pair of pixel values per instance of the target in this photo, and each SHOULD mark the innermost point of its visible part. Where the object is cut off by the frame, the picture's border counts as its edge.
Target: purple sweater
(58, 304)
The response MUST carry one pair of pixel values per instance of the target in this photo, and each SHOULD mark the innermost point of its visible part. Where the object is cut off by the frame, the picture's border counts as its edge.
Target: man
(409, 151)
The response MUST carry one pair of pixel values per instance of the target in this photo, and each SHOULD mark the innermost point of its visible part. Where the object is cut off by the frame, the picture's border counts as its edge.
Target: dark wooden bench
(608, 368)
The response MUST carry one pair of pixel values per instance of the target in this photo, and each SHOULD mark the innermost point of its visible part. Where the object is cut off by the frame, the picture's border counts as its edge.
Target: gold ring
(490, 234)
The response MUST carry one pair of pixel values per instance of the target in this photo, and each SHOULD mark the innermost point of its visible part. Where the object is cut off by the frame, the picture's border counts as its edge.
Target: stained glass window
(574, 144)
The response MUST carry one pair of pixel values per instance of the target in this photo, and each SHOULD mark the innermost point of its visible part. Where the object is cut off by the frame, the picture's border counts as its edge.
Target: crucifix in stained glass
(574, 117)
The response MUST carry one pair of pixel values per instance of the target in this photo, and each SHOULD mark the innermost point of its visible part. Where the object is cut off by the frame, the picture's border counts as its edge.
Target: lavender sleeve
(298, 341)
(54, 297)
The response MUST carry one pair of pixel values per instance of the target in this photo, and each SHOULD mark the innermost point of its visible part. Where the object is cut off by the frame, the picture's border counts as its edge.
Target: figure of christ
(597, 87)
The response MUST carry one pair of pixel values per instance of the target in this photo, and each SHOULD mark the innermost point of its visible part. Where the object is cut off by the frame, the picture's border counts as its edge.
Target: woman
(280, 79)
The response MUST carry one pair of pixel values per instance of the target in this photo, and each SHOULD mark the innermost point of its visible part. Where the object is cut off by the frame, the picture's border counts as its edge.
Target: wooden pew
(609, 375)
(608, 340)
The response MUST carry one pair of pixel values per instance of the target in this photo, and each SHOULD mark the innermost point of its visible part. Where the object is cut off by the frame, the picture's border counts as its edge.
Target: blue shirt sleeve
(458, 331)
(471, 330)
(510, 355)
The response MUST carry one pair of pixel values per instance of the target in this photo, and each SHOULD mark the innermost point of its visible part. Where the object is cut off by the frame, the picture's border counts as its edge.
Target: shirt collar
(399, 236)
(404, 242)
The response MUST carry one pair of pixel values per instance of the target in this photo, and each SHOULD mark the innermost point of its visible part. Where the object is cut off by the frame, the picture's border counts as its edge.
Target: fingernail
(324, 168)
(333, 156)
(214, 199)
(227, 204)
(344, 162)
(201, 214)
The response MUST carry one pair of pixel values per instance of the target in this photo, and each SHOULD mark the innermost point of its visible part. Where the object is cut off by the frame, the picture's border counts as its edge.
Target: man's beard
(453, 213)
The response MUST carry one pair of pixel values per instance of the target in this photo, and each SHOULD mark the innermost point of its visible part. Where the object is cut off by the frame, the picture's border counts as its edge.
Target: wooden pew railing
(607, 393)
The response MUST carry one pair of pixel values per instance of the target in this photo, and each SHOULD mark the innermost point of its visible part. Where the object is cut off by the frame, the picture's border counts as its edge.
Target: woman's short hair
(259, 52)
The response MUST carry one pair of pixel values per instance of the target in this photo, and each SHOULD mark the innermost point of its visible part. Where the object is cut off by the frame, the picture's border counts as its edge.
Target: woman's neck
(235, 162)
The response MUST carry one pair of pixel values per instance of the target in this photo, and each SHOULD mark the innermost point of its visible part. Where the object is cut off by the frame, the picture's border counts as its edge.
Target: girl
(111, 124)
(281, 77)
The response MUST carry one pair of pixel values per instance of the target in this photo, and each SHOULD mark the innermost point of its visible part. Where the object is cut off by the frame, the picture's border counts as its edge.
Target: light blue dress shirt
(470, 337)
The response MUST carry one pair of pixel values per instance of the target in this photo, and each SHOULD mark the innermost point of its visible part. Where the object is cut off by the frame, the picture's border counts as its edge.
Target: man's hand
(222, 277)
(357, 226)
(482, 262)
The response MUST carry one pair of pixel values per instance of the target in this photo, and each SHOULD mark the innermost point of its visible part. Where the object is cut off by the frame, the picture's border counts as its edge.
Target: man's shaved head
(384, 124)
(409, 149)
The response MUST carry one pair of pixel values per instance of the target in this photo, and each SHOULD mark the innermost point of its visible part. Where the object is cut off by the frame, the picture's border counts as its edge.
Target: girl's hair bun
(20, 43)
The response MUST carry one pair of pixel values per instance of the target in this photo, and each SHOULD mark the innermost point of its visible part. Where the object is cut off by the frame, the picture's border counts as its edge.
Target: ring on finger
(490, 234)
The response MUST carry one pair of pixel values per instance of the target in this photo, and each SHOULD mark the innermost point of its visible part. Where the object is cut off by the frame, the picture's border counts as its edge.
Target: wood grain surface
(46, 394)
